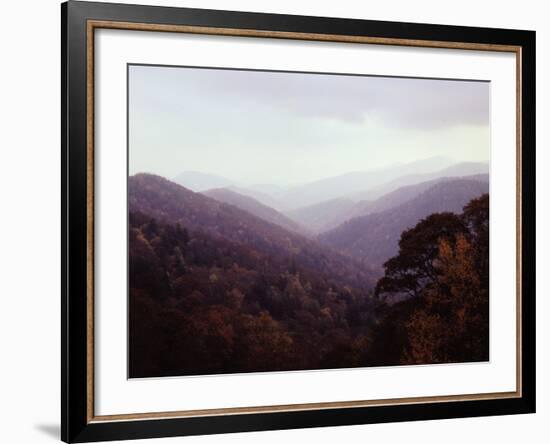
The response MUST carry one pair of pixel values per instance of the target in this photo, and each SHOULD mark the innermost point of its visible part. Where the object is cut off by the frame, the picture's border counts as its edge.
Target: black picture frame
(76, 424)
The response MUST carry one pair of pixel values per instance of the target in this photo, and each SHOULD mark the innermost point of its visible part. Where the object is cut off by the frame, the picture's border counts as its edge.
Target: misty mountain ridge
(347, 184)
(254, 207)
(313, 204)
(292, 197)
(197, 181)
(403, 194)
(462, 169)
(271, 200)
(374, 238)
(170, 203)
(329, 214)
(323, 216)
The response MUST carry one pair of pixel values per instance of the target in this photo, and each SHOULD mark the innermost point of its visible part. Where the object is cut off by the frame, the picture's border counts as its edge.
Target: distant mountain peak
(198, 181)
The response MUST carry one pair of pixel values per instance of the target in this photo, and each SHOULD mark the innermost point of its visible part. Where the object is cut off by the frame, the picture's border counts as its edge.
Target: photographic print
(284, 221)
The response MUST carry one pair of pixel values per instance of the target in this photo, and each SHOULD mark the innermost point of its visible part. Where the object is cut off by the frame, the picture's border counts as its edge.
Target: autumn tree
(452, 325)
(409, 272)
(441, 278)
(200, 304)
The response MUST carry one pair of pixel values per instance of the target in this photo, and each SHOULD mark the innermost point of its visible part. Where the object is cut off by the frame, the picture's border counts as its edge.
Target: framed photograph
(275, 221)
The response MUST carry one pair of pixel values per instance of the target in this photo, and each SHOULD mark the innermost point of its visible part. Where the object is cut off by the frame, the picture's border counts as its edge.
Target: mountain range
(220, 282)
(274, 245)
(367, 231)
(346, 185)
(326, 215)
(354, 186)
(373, 238)
(456, 170)
(403, 194)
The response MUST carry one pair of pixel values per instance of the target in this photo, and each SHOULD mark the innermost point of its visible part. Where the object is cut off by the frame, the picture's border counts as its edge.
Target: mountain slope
(347, 184)
(374, 238)
(254, 207)
(457, 170)
(170, 203)
(263, 196)
(323, 216)
(403, 194)
(327, 215)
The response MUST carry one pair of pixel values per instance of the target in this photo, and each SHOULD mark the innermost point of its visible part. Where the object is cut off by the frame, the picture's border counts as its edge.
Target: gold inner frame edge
(105, 24)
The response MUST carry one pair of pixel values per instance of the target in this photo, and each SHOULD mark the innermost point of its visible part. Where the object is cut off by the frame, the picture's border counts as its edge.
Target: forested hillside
(203, 304)
(215, 289)
(171, 203)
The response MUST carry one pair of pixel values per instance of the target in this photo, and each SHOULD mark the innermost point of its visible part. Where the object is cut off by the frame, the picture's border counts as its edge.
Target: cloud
(401, 102)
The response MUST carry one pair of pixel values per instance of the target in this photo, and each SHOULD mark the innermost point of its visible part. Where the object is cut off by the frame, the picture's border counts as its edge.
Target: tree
(451, 326)
(412, 269)
(476, 219)
(443, 266)
(261, 344)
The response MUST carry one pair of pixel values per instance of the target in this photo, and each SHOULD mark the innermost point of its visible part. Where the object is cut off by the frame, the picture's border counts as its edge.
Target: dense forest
(215, 289)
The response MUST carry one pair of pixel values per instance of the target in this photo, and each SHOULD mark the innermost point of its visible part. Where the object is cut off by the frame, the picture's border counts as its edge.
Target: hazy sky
(288, 128)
